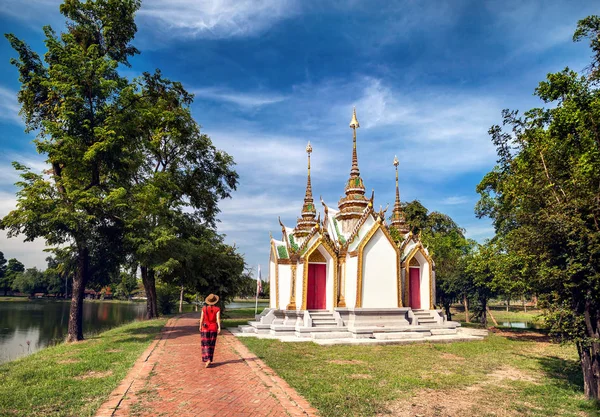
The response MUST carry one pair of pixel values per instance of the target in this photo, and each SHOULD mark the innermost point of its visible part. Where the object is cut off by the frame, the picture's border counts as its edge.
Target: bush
(166, 298)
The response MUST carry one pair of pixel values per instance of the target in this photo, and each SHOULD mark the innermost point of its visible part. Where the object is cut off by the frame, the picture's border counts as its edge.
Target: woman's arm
(219, 321)
(201, 319)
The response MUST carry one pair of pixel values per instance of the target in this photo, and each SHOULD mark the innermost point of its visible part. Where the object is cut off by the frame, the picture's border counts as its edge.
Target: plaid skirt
(208, 342)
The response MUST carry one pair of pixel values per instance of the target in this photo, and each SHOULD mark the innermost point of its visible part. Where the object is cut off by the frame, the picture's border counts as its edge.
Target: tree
(544, 199)
(4, 282)
(180, 169)
(482, 275)
(29, 282)
(13, 268)
(73, 101)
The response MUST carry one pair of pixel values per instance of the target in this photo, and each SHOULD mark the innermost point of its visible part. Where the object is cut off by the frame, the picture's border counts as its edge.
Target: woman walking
(210, 326)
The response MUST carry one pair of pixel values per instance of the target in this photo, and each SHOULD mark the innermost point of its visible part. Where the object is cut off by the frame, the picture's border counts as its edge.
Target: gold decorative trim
(334, 258)
(414, 262)
(292, 304)
(418, 248)
(276, 289)
(359, 273)
(368, 211)
(353, 254)
(284, 261)
(342, 279)
(317, 257)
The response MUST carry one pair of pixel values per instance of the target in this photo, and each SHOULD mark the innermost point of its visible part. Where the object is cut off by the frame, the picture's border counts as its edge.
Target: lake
(28, 326)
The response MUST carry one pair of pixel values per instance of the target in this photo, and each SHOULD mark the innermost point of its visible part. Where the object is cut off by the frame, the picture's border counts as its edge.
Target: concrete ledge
(436, 332)
(331, 335)
(400, 335)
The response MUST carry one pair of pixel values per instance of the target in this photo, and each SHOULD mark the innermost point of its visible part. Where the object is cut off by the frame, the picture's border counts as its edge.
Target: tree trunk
(589, 353)
(524, 305)
(466, 304)
(150, 288)
(152, 279)
(507, 304)
(484, 312)
(75, 327)
(590, 367)
(447, 308)
(181, 300)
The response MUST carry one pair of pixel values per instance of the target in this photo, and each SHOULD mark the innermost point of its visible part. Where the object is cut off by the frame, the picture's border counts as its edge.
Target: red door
(415, 288)
(315, 296)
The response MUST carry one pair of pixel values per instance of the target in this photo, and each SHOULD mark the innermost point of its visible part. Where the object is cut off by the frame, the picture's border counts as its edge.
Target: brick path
(169, 379)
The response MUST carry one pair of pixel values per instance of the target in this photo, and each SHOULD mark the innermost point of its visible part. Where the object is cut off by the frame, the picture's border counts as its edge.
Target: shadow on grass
(564, 372)
(522, 335)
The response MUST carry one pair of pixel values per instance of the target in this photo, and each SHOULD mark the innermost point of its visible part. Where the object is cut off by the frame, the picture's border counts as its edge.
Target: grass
(504, 372)
(515, 314)
(73, 379)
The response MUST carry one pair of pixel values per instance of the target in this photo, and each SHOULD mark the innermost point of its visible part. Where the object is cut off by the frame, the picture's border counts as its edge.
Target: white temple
(347, 274)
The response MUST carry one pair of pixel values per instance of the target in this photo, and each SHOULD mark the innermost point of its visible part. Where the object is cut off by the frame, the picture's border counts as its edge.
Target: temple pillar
(342, 279)
(292, 304)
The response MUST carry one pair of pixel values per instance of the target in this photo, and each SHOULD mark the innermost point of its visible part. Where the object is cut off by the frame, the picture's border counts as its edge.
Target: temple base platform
(357, 325)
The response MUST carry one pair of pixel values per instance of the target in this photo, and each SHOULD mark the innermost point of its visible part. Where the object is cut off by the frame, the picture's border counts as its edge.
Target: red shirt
(210, 318)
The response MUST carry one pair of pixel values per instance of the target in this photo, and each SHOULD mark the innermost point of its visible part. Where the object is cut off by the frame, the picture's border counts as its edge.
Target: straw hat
(211, 299)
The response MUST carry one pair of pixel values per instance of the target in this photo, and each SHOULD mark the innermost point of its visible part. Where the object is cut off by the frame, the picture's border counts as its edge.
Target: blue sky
(427, 78)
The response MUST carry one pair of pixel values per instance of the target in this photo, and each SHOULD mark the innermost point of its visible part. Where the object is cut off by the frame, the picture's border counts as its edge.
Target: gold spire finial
(354, 122)
(307, 220)
(396, 162)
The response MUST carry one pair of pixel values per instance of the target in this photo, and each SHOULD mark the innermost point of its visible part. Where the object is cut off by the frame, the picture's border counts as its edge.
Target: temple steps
(321, 318)
(425, 317)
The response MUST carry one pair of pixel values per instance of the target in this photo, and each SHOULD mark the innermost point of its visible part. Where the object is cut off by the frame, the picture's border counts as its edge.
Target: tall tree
(544, 199)
(181, 170)
(72, 100)
(4, 283)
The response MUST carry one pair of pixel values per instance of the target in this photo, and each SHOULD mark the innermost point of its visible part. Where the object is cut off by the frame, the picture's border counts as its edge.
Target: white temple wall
(379, 273)
(272, 284)
(299, 286)
(364, 229)
(285, 275)
(351, 265)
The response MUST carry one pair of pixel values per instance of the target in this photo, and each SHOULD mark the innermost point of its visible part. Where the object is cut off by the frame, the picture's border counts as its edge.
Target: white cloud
(248, 100)
(456, 200)
(29, 253)
(9, 106)
(217, 19)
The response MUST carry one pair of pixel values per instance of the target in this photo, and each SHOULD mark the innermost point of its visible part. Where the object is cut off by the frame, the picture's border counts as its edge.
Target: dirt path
(169, 379)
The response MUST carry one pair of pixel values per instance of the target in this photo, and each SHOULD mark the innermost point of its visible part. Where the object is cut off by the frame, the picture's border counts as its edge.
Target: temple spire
(354, 172)
(308, 219)
(353, 204)
(398, 220)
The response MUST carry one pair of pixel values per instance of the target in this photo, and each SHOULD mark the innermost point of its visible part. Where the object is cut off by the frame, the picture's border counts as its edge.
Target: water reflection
(521, 325)
(26, 327)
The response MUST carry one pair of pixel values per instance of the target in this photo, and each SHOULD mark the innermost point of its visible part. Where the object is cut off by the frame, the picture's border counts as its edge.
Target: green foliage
(166, 297)
(29, 282)
(543, 198)
(5, 282)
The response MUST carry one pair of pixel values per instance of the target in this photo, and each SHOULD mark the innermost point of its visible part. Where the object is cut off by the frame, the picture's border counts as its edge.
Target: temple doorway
(316, 291)
(415, 287)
